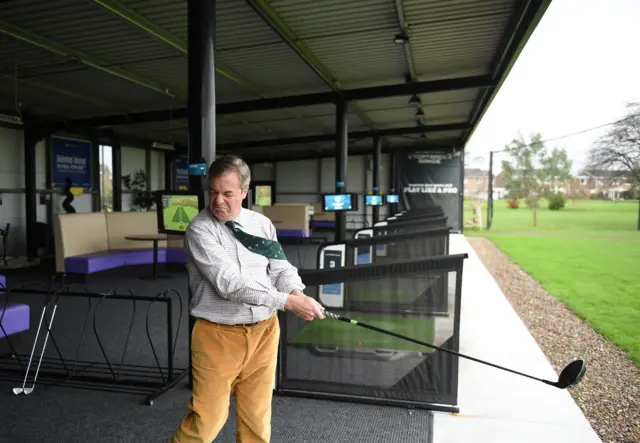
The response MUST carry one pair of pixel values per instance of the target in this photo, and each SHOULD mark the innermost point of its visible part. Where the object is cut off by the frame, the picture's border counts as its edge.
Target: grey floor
(64, 414)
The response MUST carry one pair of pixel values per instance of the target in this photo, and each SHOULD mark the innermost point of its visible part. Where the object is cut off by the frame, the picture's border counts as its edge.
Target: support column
(377, 153)
(489, 192)
(31, 137)
(48, 176)
(168, 170)
(116, 159)
(202, 87)
(147, 167)
(342, 153)
(201, 23)
(393, 183)
(96, 186)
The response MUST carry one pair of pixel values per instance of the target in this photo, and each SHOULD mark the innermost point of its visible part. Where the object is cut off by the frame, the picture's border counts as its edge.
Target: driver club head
(572, 374)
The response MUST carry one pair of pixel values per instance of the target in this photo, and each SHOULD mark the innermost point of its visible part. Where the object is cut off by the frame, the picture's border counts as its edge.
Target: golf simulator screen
(393, 198)
(373, 200)
(339, 202)
(176, 210)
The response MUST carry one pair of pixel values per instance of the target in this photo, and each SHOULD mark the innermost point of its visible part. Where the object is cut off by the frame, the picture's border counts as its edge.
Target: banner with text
(71, 160)
(181, 173)
(431, 178)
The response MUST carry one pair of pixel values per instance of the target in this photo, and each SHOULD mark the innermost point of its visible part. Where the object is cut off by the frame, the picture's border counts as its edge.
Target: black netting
(429, 294)
(335, 358)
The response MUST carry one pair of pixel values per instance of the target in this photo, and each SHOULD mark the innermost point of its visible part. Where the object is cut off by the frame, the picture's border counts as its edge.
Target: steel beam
(273, 20)
(375, 182)
(311, 155)
(73, 54)
(352, 135)
(342, 156)
(320, 98)
(167, 37)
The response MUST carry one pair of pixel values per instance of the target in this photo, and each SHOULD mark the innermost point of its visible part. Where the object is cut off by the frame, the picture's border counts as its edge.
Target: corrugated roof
(263, 49)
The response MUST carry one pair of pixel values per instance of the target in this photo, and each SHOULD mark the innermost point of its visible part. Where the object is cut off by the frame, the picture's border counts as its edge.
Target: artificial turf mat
(337, 333)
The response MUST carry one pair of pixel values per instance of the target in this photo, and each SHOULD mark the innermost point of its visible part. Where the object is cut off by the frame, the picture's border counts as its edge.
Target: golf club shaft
(423, 343)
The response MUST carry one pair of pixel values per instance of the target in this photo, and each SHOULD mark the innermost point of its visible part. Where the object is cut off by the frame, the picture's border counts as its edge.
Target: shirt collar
(240, 220)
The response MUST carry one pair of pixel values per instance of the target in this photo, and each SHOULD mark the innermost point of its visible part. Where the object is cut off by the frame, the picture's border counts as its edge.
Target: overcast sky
(578, 70)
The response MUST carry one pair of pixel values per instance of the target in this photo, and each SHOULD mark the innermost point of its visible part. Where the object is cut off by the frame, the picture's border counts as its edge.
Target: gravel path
(609, 393)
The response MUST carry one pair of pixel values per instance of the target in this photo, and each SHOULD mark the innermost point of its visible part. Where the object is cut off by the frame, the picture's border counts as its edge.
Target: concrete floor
(495, 405)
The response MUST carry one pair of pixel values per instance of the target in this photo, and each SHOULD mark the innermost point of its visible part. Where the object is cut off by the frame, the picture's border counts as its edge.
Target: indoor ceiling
(414, 71)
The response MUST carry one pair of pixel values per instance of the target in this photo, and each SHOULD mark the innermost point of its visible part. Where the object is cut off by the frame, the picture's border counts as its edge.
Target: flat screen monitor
(393, 198)
(176, 209)
(373, 200)
(339, 202)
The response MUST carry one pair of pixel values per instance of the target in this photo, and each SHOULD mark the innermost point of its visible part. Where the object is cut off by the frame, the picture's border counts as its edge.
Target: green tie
(259, 245)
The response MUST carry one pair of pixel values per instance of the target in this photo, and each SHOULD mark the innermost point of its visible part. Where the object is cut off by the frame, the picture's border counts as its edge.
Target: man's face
(225, 196)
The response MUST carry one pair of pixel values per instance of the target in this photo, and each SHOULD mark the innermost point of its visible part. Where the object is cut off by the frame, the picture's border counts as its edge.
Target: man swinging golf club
(239, 277)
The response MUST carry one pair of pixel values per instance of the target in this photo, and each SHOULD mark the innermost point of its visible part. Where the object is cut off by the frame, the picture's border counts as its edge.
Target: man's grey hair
(231, 163)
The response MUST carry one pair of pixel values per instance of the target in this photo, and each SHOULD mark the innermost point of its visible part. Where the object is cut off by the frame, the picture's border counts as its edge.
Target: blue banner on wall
(71, 159)
(181, 173)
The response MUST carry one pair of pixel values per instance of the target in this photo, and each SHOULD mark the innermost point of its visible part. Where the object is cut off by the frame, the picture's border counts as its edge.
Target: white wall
(12, 183)
(263, 172)
(133, 159)
(12, 209)
(303, 182)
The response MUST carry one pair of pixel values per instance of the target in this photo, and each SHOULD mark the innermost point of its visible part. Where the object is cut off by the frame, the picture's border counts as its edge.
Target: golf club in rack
(569, 376)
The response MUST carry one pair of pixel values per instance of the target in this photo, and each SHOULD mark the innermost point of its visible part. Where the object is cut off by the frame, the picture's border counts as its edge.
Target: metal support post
(31, 138)
(341, 165)
(116, 159)
(377, 153)
(201, 23)
(490, 193)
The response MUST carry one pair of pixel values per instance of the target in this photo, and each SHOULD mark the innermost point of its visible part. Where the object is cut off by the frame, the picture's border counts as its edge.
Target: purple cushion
(322, 224)
(293, 233)
(3, 282)
(15, 319)
(142, 256)
(175, 255)
(95, 262)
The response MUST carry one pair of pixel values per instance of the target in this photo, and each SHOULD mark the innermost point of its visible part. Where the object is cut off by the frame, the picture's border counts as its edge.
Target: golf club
(570, 375)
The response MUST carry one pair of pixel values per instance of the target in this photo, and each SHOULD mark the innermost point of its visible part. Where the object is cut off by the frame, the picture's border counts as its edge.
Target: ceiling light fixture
(400, 39)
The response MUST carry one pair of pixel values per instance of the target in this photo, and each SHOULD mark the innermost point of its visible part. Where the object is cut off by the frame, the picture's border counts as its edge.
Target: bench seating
(103, 244)
(321, 219)
(16, 315)
(102, 261)
(16, 318)
(293, 233)
(326, 224)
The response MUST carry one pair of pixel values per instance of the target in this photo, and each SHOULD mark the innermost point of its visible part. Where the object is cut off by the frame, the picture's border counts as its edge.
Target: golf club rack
(97, 360)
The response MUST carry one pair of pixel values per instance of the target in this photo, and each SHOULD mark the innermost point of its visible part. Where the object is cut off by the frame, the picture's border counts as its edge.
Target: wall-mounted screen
(373, 200)
(392, 198)
(176, 209)
(339, 202)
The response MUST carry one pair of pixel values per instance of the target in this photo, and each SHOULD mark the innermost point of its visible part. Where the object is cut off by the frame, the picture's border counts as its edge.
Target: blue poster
(181, 173)
(71, 159)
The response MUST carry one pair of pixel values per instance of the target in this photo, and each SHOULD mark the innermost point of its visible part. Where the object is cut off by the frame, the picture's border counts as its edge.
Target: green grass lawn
(587, 255)
(338, 333)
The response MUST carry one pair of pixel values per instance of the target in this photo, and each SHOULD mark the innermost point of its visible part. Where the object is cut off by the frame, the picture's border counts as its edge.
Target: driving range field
(587, 255)
(338, 333)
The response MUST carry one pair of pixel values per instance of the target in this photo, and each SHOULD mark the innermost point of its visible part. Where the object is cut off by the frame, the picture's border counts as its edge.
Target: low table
(155, 238)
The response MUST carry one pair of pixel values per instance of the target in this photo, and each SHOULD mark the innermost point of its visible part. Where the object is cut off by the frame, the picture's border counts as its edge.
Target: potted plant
(141, 197)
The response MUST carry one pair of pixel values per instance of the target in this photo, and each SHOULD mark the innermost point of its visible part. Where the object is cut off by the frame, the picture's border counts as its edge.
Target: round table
(155, 238)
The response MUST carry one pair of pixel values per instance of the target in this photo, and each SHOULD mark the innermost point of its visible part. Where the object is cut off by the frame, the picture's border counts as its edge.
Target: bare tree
(619, 148)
